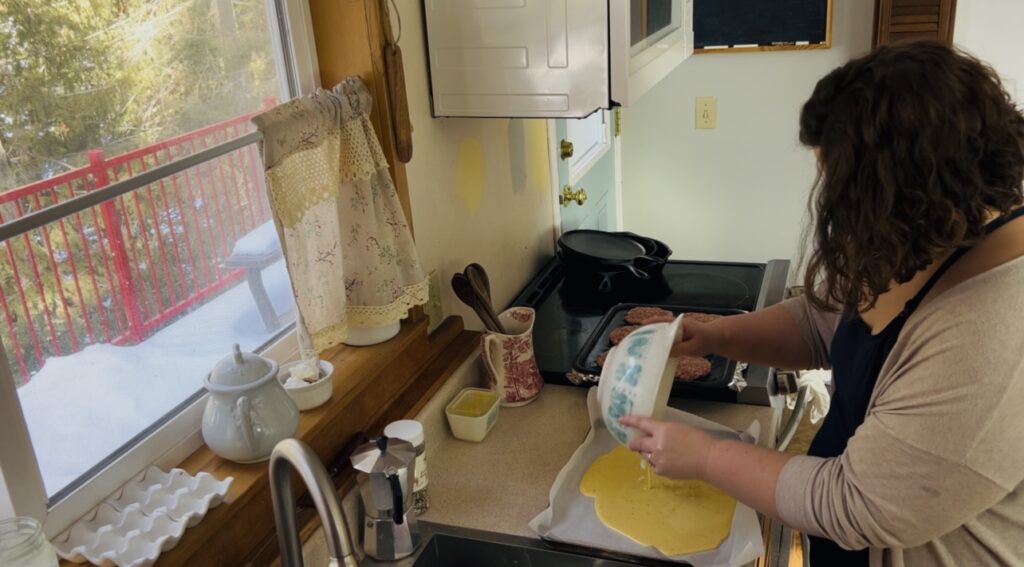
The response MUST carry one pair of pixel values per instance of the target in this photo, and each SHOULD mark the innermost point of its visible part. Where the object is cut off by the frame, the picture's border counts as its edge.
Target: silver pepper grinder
(385, 485)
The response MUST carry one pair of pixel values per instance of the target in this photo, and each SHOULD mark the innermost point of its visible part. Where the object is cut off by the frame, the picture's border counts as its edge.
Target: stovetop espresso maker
(385, 485)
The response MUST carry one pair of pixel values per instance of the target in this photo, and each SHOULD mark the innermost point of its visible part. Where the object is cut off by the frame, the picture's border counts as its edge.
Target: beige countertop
(501, 483)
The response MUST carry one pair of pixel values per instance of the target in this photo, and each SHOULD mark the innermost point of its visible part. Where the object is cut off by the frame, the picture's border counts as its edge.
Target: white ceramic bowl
(367, 336)
(637, 377)
(309, 396)
(472, 413)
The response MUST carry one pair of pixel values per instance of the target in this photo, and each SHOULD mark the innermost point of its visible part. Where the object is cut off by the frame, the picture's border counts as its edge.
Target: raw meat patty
(692, 367)
(701, 317)
(616, 336)
(687, 368)
(649, 315)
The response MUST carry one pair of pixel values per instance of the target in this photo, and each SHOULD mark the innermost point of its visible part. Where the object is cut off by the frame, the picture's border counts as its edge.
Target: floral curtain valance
(347, 246)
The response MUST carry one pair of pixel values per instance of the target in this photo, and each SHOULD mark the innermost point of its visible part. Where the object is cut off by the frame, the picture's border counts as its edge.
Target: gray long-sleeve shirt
(935, 474)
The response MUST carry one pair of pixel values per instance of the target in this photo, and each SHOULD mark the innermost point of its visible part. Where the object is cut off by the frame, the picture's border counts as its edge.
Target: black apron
(857, 359)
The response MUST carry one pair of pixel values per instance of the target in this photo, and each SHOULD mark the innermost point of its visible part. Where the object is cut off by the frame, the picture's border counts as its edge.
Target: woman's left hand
(675, 450)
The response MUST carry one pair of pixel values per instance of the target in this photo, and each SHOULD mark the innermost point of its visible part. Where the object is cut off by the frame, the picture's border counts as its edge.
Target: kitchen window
(650, 21)
(113, 309)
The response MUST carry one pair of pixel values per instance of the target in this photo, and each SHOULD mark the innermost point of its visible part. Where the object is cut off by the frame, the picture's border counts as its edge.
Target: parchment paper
(571, 518)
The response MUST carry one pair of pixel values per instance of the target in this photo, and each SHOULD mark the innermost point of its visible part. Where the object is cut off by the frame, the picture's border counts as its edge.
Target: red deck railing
(117, 272)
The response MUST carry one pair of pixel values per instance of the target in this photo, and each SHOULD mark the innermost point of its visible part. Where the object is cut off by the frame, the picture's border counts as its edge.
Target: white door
(587, 173)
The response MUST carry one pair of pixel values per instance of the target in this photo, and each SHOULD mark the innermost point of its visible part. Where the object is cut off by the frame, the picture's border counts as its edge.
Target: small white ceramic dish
(472, 413)
(308, 396)
(637, 377)
(366, 336)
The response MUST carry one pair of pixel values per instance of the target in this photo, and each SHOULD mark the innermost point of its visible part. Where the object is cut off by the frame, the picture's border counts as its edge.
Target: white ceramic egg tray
(147, 516)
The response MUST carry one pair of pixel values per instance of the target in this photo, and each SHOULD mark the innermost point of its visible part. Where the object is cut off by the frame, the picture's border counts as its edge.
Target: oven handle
(805, 544)
(786, 383)
(782, 541)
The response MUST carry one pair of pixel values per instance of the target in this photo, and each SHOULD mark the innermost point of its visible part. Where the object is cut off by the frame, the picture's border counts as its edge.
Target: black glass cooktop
(566, 314)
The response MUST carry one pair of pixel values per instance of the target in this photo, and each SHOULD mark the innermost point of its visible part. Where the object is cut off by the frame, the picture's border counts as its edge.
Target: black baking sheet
(722, 369)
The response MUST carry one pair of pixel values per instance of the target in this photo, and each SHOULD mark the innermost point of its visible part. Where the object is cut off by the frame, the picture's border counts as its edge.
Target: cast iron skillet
(601, 246)
(610, 260)
(722, 369)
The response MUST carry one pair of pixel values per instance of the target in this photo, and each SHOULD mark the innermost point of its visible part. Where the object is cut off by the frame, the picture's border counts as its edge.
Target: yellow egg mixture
(675, 516)
(474, 404)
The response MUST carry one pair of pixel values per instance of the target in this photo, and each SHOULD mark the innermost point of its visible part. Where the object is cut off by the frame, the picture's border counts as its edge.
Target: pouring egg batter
(675, 516)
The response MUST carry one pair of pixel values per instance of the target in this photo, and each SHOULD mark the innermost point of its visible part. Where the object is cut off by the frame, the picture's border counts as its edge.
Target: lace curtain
(350, 256)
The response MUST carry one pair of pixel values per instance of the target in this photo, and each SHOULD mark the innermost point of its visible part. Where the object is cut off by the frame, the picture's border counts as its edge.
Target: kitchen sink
(450, 546)
(455, 551)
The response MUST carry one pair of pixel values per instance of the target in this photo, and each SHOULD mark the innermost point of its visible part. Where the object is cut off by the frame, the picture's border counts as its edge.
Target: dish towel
(819, 396)
(348, 249)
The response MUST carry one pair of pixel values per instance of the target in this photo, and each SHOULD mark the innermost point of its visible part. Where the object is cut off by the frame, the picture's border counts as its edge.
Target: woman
(916, 303)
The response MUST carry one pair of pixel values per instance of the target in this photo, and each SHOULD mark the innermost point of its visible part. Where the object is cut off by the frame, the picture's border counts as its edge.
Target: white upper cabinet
(550, 58)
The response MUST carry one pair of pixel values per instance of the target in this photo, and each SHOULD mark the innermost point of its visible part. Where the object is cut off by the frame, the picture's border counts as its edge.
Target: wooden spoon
(478, 271)
(467, 293)
(484, 298)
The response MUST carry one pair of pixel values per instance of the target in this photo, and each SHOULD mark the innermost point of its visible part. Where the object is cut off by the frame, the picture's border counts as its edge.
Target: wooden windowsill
(372, 386)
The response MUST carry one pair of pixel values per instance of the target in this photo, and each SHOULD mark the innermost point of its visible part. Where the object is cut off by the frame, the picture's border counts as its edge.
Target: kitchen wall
(990, 29)
(738, 192)
(480, 188)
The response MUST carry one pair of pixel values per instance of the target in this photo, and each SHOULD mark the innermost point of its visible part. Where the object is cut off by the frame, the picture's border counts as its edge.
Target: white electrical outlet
(706, 113)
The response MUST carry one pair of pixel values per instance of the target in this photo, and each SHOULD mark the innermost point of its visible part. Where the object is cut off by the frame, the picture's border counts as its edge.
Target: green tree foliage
(117, 75)
(62, 88)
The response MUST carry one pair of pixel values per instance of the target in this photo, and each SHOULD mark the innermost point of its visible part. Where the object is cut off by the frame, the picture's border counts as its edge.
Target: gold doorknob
(567, 196)
(566, 149)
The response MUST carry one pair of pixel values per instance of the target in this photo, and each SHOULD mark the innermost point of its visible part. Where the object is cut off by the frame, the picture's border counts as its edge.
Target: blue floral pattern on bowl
(637, 377)
(626, 378)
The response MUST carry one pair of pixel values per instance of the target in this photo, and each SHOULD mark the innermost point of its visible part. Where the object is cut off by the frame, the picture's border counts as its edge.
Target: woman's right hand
(699, 339)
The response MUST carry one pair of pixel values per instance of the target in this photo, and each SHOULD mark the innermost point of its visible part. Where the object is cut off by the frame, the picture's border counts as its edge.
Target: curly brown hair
(919, 144)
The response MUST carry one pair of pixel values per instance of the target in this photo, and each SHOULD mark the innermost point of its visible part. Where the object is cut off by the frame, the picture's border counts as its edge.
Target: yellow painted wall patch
(470, 175)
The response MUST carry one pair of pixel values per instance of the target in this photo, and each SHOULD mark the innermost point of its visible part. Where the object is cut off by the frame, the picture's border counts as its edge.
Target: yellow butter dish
(472, 413)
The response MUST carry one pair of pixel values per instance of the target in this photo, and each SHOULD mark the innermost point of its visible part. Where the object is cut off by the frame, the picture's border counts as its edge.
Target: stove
(567, 314)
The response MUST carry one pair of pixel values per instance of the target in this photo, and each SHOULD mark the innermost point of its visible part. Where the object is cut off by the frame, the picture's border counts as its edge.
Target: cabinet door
(897, 20)
(517, 58)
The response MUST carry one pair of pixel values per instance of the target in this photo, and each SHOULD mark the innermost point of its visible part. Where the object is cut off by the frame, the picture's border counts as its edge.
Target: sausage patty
(701, 317)
(687, 368)
(649, 315)
(692, 367)
(616, 336)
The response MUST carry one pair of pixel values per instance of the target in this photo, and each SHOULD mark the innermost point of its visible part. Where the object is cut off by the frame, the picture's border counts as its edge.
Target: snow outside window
(112, 316)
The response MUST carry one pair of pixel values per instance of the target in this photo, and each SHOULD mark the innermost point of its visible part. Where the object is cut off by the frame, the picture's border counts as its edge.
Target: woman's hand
(675, 450)
(699, 339)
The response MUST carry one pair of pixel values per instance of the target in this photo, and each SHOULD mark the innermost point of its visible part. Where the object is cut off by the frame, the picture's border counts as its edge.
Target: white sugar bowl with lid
(248, 410)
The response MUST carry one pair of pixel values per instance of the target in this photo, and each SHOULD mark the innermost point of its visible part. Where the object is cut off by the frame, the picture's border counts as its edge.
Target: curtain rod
(78, 204)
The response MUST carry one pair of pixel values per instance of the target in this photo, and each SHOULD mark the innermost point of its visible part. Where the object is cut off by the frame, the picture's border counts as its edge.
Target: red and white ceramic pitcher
(509, 359)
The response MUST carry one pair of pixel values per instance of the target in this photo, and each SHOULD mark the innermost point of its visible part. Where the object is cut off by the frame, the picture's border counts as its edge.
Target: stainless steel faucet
(289, 455)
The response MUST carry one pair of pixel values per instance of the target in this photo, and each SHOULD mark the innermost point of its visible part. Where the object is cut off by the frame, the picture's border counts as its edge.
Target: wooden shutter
(897, 20)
